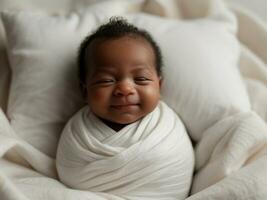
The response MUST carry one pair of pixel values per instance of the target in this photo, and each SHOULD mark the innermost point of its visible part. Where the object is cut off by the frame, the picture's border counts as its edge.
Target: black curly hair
(116, 27)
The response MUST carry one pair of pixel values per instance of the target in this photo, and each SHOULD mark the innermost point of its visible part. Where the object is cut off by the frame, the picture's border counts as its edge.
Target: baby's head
(120, 72)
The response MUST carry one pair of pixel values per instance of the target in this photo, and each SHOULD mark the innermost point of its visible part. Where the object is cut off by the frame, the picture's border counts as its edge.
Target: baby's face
(122, 84)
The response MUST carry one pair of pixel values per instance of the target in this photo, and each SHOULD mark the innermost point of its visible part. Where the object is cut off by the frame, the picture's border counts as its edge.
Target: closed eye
(142, 80)
(105, 82)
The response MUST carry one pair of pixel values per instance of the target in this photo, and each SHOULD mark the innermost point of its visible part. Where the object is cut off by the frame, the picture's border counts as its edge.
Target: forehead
(125, 47)
(120, 40)
(133, 50)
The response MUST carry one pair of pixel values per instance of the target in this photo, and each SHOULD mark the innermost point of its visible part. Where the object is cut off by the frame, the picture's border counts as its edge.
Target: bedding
(43, 72)
(46, 76)
(256, 6)
(230, 137)
(58, 7)
(55, 8)
(152, 158)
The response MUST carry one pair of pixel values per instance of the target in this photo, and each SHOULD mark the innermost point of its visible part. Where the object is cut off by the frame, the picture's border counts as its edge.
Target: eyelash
(138, 80)
(105, 81)
(141, 79)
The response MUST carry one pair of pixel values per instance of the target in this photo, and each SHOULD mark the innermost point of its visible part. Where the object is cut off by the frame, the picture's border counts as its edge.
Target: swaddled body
(150, 158)
(128, 143)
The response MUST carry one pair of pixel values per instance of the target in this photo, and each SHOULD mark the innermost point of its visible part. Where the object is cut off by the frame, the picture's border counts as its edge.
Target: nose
(124, 88)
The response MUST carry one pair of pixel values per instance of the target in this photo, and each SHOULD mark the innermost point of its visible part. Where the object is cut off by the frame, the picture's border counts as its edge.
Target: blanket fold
(231, 156)
(227, 146)
(17, 150)
(151, 158)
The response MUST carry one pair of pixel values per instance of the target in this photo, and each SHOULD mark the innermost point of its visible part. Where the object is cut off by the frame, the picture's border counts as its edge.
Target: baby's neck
(115, 126)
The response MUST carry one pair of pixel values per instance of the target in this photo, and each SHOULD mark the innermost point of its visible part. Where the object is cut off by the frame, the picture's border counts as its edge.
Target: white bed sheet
(259, 7)
(226, 189)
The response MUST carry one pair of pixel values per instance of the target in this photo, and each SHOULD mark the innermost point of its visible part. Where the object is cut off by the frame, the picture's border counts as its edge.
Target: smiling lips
(128, 103)
(125, 107)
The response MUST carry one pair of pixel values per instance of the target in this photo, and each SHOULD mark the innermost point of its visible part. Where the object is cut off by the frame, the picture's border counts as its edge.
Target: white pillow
(44, 90)
(202, 82)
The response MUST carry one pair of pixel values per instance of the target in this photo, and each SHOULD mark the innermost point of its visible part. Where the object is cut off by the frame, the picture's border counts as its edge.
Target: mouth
(125, 106)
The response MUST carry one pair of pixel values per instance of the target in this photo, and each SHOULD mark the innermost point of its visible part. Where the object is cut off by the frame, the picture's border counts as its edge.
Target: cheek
(150, 96)
(98, 96)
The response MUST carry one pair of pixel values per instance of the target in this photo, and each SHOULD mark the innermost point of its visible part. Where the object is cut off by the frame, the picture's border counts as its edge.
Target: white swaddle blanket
(150, 159)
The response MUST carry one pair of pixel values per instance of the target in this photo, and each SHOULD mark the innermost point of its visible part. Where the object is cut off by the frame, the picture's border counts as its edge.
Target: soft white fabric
(250, 28)
(207, 81)
(254, 71)
(248, 183)
(50, 6)
(19, 151)
(44, 91)
(255, 6)
(258, 97)
(33, 177)
(227, 146)
(152, 158)
(20, 183)
(230, 146)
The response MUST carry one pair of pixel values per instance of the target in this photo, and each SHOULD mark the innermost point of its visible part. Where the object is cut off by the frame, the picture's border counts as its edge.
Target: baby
(126, 142)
